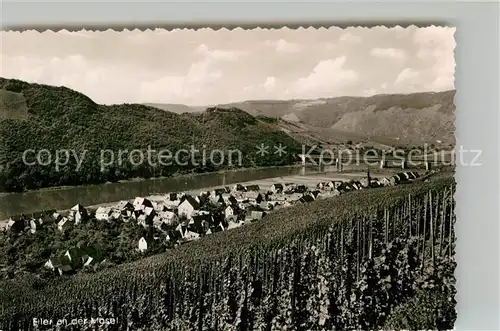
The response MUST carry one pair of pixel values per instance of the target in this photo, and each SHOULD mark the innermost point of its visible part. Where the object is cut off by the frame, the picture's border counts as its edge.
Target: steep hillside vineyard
(349, 263)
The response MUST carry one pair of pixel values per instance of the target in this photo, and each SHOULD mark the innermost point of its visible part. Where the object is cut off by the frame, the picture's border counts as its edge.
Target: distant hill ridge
(418, 117)
(57, 118)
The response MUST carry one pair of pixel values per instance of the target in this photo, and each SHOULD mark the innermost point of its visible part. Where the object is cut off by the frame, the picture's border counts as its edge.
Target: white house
(238, 187)
(57, 217)
(64, 224)
(88, 260)
(187, 207)
(190, 235)
(78, 213)
(124, 206)
(140, 203)
(182, 229)
(159, 207)
(144, 244)
(251, 195)
(144, 220)
(103, 213)
(321, 185)
(34, 225)
(234, 224)
(217, 192)
(16, 224)
(254, 188)
(277, 188)
(230, 213)
(116, 215)
(149, 212)
(52, 263)
(170, 204)
(172, 236)
(168, 217)
(229, 199)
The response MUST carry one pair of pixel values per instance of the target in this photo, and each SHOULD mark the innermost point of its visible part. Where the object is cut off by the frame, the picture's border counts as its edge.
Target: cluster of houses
(74, 259)
(179, 217)
(35, 221)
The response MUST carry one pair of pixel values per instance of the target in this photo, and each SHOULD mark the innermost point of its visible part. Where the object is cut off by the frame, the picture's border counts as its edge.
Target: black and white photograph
(231, 179)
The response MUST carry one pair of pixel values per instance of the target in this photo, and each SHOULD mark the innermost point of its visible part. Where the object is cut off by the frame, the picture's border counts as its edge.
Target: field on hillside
(350, 262)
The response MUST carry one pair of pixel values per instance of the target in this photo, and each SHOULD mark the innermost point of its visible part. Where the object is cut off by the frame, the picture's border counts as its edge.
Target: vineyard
(367, 260)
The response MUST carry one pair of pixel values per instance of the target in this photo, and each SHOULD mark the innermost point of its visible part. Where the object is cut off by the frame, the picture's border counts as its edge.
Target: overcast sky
(207, 67)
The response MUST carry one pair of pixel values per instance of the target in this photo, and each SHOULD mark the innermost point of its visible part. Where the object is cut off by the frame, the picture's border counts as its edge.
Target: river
(64, 198)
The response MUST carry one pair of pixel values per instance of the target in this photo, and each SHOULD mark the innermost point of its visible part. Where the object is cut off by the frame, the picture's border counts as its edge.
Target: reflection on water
(17, 203)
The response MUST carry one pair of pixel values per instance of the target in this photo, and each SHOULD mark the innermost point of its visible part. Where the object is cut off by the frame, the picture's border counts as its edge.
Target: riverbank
(140, 179)
(105, 194)
(309, 179)
(65, 198)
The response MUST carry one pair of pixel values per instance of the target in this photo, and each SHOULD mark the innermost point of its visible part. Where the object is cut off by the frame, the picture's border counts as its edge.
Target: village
(177, 218)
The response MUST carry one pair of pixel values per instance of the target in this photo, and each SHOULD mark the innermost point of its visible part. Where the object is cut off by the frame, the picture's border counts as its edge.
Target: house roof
(196, 223)
(75, 252)
(38, 215)
(103, 210)
(181, 228)
(124, 204)
(149, 211)
(219, 191)
(252, 188)
(65, 268)
(174, 234)
(88, 250)
(192, 201)
(148, 240)
(142, 201)
(306, 198)
(63, 221)
(55, 261)
(35, 222)
(17, 218)
(202, 217)
(315, 193)
(78, 207)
